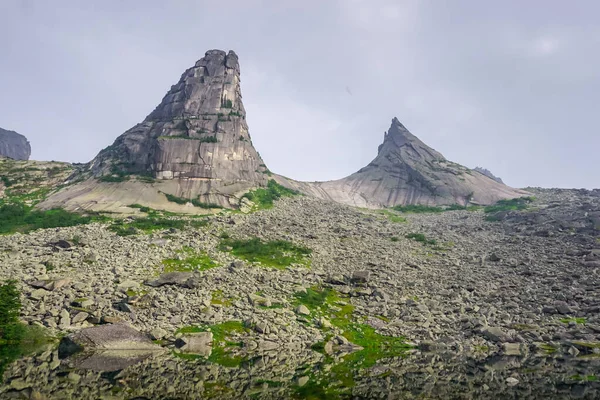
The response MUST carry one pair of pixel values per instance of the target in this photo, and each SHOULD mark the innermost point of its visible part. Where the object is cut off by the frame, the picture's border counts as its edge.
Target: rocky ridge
(407, 171)
(488, 173)
(14, 145)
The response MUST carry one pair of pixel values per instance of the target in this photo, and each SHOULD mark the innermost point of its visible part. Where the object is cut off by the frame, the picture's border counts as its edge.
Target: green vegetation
(195, 202)
(222, 344)
(145, 225)
(585, 378)
(394, 239)
(420, 209)
(548, 348)
(264, 197)
(18, 217)
(192, 260)
(517, 204)
(207, 139)
(16, 338)
(153, 223)
(419, 237)
(227, 103)
(218, 298)
(577, 320)
(330, 383)
(392, 216)
(277, 254)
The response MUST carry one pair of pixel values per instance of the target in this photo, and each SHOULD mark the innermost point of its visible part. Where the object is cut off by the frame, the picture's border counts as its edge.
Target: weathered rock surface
(14, 145)
(488, 173)
(106, 337)
(407, 171)
(195, 143)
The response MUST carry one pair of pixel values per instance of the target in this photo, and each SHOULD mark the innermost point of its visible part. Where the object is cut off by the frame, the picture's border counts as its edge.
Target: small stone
(73, 377)
(512, 349)
(302, 310)
(573, 351)
(158, 333)
(79, 317)
(39, 294)
(512, 381)
(496, 334)
(494, 257)
(361, 276)
(19, 384)
(301, 381)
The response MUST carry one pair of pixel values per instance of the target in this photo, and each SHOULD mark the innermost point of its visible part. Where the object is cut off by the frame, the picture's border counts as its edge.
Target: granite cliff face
(407, 171)
(196, 145)
(14, 145)
(488, 173)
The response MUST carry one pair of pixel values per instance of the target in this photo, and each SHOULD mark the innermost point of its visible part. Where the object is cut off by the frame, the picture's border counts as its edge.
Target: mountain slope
(407, 171)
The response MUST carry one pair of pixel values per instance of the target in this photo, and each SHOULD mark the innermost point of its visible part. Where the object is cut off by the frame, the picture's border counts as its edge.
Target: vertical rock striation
(14, 145)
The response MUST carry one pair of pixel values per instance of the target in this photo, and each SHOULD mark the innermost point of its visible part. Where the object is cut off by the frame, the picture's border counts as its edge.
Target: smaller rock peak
(396, 122)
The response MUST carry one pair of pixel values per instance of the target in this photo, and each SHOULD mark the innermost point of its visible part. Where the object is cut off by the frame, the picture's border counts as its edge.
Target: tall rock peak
(198, 133)
(14, 145)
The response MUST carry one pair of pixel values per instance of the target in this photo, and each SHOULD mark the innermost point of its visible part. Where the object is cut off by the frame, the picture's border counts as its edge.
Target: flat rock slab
(183, 279)
(105, 337)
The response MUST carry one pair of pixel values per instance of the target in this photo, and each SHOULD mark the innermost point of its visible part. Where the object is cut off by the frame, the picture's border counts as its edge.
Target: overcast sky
(511, 85)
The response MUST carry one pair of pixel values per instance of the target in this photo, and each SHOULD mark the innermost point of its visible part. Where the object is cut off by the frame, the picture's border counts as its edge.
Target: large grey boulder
(14, 145)
(105, 337)
(407, 171)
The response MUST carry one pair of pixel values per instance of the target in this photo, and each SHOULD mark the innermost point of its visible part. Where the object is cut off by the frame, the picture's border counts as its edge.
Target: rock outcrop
(488, 173)
(407, 171)
(14, 145)
(196, 145)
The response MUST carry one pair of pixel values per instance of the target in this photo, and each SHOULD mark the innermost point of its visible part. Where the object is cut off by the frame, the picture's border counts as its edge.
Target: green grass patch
(584, 378)
(277, 254)
(577, 320)
(192, 260)
(16, 339)
(517, 204)
(264, 198)
(195, 202)
(419, 237)
(222, 343)
(18, 217)
(422, 209)
(392, 216)
(326, 302)
(218, 298)
(207, 139)
(145, 225)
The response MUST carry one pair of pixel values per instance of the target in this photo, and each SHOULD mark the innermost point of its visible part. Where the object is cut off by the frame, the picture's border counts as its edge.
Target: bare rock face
(197, 136)
(14, 145)
(488, 173)
(407, 171)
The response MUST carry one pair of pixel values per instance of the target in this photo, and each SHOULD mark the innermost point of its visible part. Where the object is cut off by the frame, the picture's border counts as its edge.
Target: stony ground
(524, 289)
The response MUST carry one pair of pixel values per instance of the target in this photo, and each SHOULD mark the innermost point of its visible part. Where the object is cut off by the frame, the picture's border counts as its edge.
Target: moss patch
(265, 197)
(222, 343)
(419, 237)
(192, 260)
(277, 254)
(577, 320)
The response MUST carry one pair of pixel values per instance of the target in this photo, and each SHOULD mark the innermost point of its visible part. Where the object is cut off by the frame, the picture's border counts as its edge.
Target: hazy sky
(511, 85)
